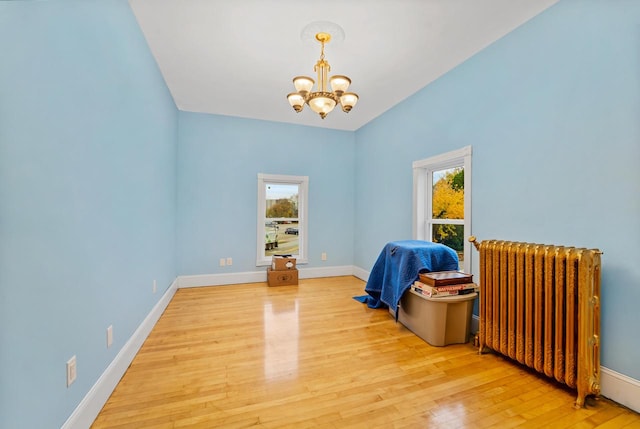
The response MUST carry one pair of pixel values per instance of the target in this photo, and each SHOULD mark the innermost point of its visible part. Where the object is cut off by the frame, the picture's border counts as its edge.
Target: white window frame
(303, 192)
(422, 196)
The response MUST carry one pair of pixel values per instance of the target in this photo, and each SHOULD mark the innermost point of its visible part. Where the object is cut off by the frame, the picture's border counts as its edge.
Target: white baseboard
(222, 279)
(620, 388)
(336, 271)
(260, 276)
(88, 409)
(361, 273)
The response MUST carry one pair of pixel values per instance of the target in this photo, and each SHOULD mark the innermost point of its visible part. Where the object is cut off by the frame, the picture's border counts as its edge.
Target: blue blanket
(398, 266)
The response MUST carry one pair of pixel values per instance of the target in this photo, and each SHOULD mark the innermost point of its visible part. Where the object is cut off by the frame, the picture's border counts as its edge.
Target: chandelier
(323, 100)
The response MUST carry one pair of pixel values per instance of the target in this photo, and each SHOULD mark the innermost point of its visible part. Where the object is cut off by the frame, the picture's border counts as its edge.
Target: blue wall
(94, 186)
(552, 111)
(88, 140)
(218, 163)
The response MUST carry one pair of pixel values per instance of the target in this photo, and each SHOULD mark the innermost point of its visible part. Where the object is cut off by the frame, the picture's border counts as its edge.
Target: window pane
(281, 201)
(281, 238)
(281, 223)
(448, 194)
(451, 236)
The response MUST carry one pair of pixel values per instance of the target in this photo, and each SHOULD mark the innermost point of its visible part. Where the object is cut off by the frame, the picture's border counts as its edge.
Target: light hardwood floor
(310, 356)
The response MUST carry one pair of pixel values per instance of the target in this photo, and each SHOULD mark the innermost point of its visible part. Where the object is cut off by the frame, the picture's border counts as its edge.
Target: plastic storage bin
(438, 321)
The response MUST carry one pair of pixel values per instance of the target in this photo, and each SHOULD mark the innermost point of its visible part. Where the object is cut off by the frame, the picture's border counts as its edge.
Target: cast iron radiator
(540, 305)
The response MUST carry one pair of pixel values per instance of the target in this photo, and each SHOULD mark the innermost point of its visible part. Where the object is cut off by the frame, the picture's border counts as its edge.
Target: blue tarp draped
(397, 267)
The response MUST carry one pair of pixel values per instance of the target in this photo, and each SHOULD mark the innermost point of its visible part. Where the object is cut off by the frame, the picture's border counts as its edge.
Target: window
(282, 212)
(442, 202)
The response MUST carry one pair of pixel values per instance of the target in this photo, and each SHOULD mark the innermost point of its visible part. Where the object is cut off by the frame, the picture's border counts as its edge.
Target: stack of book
(444, 283)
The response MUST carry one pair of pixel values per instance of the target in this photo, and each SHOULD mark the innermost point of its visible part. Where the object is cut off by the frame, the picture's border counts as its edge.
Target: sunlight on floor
(281, 332)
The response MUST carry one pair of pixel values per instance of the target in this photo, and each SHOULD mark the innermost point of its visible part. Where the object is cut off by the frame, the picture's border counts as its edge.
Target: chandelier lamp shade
(324, 99)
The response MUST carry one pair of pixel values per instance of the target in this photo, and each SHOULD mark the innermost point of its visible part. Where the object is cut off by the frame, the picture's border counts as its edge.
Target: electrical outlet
(223, 262)
(109, 336)
(71, 370)
(155, 286)
(229, 261)
(324, 256)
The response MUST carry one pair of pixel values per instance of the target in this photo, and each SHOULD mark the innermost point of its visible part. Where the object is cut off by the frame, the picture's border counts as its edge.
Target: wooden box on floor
(282, 277)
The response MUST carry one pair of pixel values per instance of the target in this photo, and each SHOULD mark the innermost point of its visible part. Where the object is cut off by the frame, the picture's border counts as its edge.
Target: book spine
(429, 292)
(447, 288)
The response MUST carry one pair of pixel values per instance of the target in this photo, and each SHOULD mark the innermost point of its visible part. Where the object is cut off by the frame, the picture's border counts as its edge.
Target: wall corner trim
(90, 406)
(361, 273)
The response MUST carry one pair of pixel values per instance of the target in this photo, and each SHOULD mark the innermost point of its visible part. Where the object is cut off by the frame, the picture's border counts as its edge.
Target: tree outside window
(448, 203)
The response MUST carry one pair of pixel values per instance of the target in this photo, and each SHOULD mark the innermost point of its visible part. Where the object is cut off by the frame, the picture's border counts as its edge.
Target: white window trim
(422, 180)
(303, 186)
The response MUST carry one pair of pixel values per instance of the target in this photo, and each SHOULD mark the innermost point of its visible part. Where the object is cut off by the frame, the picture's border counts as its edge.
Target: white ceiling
(237, 57)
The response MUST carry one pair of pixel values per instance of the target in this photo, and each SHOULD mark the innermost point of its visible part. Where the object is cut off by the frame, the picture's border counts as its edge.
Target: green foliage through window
(448, 203)
(283, 208)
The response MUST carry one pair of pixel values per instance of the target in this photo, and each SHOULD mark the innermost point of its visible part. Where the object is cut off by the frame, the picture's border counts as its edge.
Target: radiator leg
(593, 388)
(479, 342)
